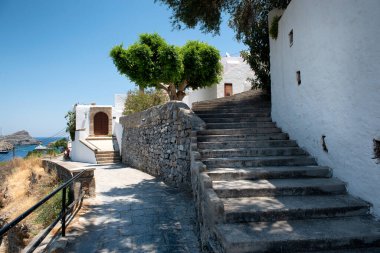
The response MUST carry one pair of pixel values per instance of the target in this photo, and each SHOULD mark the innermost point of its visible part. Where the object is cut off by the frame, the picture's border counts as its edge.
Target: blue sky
(54, 54)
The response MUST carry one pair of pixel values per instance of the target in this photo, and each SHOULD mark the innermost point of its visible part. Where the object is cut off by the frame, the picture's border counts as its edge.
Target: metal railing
(62, 216)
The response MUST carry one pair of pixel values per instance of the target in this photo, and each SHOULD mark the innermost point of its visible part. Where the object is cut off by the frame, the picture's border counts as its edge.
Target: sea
(22, 151)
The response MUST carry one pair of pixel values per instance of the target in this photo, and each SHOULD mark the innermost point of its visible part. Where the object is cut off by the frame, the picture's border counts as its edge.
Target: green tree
(137, 101)
(151, 62)
(247, 17)
(59, 144)
(71, 123)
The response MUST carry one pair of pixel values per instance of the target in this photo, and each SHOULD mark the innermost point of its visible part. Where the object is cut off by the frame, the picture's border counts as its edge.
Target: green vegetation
(54, 149)
(39, 153)
(151, 62)
(137, 101)
(71, 123)
(60, 144)
(273, 30)
(51, 209)
(249, 19)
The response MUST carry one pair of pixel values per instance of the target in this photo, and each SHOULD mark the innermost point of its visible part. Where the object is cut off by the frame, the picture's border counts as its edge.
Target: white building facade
(235, 75)
(97, 130)
(325, 71)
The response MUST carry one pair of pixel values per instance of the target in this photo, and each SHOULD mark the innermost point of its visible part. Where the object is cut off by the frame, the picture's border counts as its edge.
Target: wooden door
(227, 89)
(101, 124)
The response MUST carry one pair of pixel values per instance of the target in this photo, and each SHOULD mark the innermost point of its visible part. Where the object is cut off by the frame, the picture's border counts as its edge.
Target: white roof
(40, 147)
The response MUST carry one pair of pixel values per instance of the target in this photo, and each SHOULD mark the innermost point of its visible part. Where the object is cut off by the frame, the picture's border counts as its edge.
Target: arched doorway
(101, 124)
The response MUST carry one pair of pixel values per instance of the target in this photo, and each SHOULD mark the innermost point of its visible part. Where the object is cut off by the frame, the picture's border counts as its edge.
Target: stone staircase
(272, 195)
(104, 157)
(105, 148)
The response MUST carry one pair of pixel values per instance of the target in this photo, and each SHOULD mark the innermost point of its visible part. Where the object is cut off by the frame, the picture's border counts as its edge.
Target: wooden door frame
(101, 120)
(225, 88)
(107, 110)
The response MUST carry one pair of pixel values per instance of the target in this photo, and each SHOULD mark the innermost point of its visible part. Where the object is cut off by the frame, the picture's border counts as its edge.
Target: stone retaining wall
(157, 141)
(85, 182)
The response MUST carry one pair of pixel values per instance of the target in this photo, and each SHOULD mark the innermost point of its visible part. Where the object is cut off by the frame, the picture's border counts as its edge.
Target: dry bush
(24, 186)
(27, 184)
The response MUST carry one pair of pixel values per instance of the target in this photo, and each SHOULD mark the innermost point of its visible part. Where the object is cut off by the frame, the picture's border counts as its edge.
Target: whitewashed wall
(235, 71)
(83, 118)
(79, 151)
(118, 132)
(337, 49)
(200, 95)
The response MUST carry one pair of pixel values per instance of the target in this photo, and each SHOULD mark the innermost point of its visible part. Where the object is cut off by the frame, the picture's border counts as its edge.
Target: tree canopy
(151, 62)
(247, 17)
(71, 123)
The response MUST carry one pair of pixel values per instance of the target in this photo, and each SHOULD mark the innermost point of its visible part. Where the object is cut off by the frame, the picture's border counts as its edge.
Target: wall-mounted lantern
(298, 77)
(324, 145)
(291, 38)
(376, 150)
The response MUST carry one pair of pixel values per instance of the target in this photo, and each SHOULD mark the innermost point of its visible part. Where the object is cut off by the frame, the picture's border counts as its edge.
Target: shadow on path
(134, 212)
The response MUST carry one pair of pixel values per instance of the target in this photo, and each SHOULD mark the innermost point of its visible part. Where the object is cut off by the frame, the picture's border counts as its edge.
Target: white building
(97, 130)
(235, 75)
(333, 46)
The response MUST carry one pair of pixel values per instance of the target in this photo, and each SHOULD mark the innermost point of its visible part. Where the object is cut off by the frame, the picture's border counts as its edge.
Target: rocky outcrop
(20, 138)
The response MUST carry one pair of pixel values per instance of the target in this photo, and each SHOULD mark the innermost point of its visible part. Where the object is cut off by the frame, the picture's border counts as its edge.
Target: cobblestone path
(133, 212)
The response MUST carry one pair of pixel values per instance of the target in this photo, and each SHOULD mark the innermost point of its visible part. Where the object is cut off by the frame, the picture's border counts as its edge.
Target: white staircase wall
(80, 152)
(336, 48)
(118, 131)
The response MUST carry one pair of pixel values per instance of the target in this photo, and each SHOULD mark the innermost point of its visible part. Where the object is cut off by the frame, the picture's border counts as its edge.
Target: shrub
(71, 123)
(137, 101)
(273, 30)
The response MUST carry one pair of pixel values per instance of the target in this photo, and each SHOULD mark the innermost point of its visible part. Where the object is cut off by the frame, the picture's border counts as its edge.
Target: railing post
(64, 212)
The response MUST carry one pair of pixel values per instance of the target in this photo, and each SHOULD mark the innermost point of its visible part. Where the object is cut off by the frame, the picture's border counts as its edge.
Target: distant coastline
(20, 138)
(22, 150)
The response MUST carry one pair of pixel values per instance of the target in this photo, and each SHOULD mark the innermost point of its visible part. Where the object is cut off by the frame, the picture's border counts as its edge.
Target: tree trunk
(141, 90)
(172, 91)
(180, 95)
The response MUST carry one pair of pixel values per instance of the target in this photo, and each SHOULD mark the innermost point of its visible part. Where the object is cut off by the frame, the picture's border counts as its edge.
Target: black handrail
(62, 215)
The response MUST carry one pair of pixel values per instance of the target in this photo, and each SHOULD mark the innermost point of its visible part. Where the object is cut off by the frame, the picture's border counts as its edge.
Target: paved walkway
(133, 212)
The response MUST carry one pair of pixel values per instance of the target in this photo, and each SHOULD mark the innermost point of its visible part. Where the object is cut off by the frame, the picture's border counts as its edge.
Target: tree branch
(182, 86)
(163, 86)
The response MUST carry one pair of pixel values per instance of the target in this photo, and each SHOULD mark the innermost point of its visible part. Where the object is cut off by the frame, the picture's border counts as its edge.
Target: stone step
(107, 160)
(253, 209)
(239, 131)
(278, 187)
(300, 235)
(225, 174)
(107, 152)
(241, 125)
(233, 115)
(260, 161)
(247, 144)
(107, 155)
(237, 109)
(358, 250)
(237, 120)
(233, 102)
(230, 107)
(244, 152)
(242, 137)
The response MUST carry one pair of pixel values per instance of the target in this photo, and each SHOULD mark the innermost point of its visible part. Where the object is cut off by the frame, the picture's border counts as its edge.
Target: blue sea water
(22, 151)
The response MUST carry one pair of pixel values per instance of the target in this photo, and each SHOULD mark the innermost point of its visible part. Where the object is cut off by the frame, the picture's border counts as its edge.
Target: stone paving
(133, 212)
